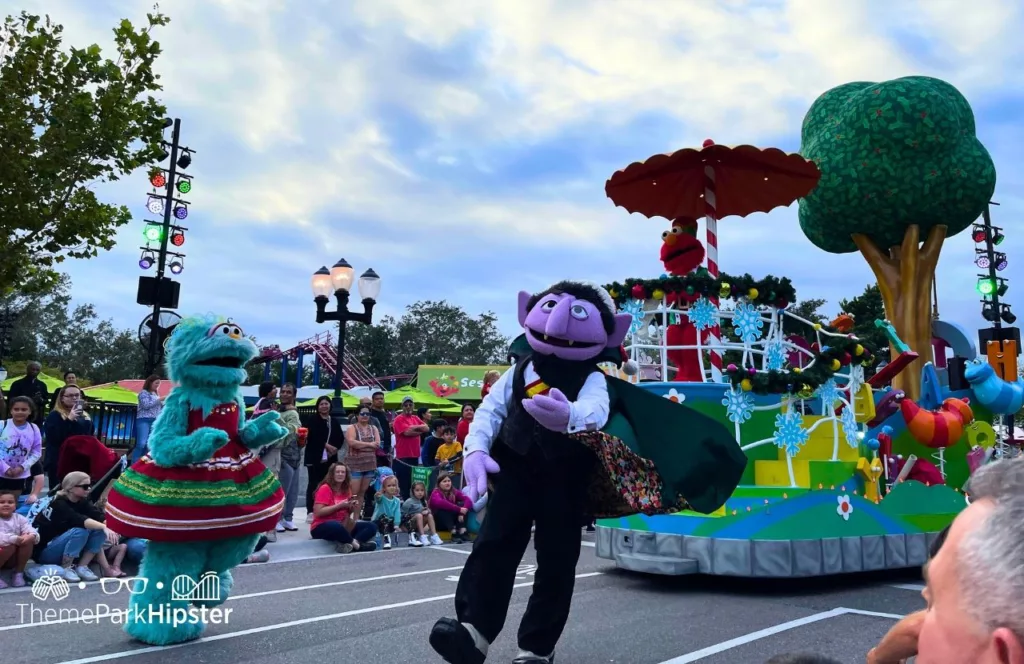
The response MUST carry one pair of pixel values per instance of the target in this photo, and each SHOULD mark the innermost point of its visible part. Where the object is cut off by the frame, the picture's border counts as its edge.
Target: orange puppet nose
(671, 239)
(235, 335)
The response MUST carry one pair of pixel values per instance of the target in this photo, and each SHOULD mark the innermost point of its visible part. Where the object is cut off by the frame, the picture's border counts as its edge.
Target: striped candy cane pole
(711, 219)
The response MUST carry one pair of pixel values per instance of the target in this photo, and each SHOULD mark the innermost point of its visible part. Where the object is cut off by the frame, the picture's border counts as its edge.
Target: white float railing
(760, 351)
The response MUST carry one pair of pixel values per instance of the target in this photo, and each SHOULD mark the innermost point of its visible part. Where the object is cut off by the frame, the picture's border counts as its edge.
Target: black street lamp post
(338, 280)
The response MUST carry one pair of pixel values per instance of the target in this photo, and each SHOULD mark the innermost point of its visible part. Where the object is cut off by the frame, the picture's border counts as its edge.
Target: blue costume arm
(260, 431)
(170, 445)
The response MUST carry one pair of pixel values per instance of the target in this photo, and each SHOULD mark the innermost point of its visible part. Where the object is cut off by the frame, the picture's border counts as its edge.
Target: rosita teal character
(201, 496)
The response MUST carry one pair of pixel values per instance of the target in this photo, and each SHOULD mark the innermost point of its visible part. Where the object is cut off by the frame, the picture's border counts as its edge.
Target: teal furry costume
(201, 496)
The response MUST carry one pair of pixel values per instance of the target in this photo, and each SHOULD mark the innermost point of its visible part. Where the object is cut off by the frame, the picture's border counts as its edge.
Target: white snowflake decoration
(774, 355)
(634, 308)
(790, 434)
(850, 428)
(739, 405)
(703, 314)
(829, 394)
(856, 380)
(748, 322)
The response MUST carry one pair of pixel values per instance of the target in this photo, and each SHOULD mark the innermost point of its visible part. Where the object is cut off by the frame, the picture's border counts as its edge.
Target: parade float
(855, 462)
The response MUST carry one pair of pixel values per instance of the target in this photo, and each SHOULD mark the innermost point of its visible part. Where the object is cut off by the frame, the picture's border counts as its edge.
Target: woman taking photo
(323, 441)
(362, 441)
(335, 508)
(71, 529)
(68, 418)
(150, 405)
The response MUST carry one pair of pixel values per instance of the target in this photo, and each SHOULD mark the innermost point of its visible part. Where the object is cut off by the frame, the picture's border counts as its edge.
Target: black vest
(524, 435)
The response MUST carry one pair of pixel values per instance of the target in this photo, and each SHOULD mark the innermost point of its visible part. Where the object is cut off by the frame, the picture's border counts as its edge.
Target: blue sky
(461, 148)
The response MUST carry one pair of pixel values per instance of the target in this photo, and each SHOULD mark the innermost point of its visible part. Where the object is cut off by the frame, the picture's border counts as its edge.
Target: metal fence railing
(113, 423)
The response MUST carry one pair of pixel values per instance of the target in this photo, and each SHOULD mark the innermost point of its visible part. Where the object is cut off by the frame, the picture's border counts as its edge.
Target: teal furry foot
(226, 583)
(160, 630)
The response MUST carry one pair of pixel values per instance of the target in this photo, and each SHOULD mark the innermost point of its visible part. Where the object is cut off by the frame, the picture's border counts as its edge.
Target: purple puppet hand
(475, 468)
(551, 411)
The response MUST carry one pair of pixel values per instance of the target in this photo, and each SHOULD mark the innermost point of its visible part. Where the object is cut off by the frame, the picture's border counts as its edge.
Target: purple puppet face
(571, 325)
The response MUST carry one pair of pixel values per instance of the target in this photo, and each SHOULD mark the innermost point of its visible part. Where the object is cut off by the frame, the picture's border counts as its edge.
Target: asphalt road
(379, 607)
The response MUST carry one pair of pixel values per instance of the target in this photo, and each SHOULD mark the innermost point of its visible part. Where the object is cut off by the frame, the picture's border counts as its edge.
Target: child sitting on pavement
(449, 455)
(450, 507)
(417, 519)
(17, 538)
(387, 509)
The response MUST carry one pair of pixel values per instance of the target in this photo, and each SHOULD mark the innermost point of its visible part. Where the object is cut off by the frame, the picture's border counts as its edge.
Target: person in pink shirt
(21, 445)
(334, 514)
(408, 427)
(17, 538)
(450, 507)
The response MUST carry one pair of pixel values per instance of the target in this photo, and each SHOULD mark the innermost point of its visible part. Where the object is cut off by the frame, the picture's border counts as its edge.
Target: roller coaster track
(325, 348)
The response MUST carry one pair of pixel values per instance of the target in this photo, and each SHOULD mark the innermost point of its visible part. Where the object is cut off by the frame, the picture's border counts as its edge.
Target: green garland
(837, 353)
(770, 291)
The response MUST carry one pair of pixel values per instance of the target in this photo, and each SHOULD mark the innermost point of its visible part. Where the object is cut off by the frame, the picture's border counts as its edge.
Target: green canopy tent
(394, 398)
(348, 402)
(111, 394)
(52, 384)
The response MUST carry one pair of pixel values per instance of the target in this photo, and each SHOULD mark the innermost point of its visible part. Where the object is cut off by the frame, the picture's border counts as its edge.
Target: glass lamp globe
(321, 283)
(342, 274)
(369, 285)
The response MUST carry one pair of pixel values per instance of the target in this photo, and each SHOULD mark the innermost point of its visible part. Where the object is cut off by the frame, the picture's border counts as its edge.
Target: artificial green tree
(901, 170)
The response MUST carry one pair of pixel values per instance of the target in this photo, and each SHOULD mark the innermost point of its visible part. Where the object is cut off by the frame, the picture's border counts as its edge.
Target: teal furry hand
(263, 430)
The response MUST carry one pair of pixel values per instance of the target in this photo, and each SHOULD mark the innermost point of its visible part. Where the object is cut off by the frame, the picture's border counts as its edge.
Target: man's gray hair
(35, 364)
(991, 558)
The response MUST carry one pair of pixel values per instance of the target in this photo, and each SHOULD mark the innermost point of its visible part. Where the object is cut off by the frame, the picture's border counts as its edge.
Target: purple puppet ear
(622, 323)
(524, 307)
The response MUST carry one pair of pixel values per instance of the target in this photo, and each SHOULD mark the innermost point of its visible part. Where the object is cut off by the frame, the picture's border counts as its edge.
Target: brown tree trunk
(905, 279)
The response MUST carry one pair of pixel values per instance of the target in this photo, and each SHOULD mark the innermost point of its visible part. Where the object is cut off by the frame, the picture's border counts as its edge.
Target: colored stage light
(998, 238)
(155, 205)
(184, 186)
(1001, 262)
(178, 238)
(978, 235)
(982, 261)
(158, 180)
(146, 261)
(180, 211)
(153, 233)
(176, 266)
(986, 286)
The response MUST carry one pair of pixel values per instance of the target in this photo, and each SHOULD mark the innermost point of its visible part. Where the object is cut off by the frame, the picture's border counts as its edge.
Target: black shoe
(367, 546)
(590, 528)
(454, 643)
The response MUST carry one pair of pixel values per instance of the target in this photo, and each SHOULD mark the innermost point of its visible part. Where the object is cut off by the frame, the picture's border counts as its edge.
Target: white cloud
(387, 130)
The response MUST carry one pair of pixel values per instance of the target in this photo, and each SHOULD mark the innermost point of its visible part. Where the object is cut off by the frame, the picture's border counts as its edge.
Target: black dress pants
(529, 490)
(316, 473)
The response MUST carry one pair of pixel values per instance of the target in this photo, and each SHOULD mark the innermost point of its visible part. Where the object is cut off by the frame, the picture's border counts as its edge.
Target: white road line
(448, 549)
(876, 614)
(264, 593)
(590, 544)
(916, 587)
(285, 625)
(775, 629)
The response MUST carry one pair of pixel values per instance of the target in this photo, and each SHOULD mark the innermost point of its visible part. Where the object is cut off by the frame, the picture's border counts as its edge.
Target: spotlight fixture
(1008, 316)
(147, 260)
(163, 154)
(167, 123)
(982, 261)
(184, 186)
(178, 237)
(978, 234)
(998, 238)
(180, 211)
(155, 205)
(986, 286)
(177, 265)
(1003, 287)
(185, 160)
(153, 233)
(158, 180)
(1001, 262)
(989, 312)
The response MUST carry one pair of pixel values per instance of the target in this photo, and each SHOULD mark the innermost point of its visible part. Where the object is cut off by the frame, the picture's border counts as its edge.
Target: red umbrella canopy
(747, 180)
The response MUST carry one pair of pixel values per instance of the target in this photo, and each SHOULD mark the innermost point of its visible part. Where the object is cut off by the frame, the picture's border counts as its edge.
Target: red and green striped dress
(231, 494)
